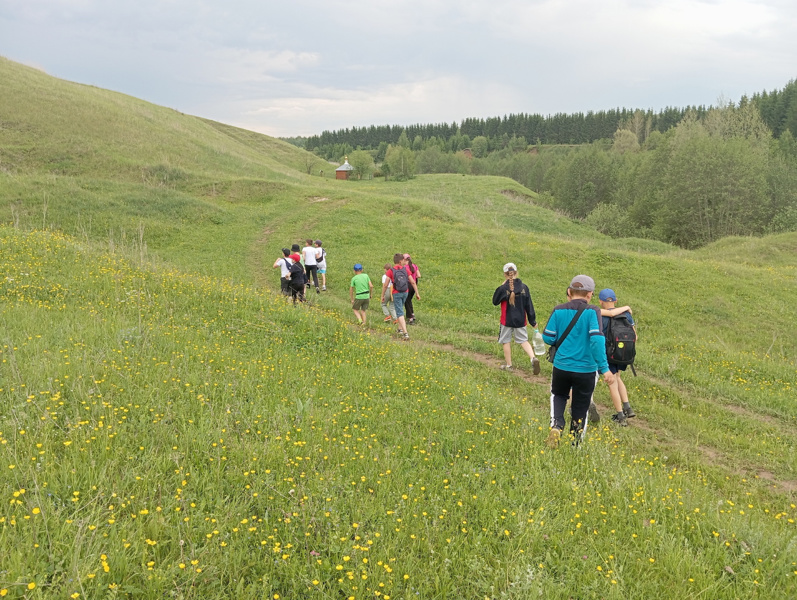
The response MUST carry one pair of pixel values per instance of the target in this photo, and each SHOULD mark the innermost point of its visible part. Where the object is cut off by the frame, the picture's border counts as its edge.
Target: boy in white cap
(517, 309)
(574, 328)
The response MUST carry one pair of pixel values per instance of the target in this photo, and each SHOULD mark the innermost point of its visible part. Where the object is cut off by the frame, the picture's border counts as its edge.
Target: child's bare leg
(621, 388)
(614, 393)
(508, 354)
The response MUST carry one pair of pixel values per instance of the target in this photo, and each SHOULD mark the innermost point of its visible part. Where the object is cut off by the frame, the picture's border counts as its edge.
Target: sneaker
(593, 413)
(620, 419)
(507, 368)
(554, 435)
(324, 289)
(406, 337)
(535, 366)
(388, 319)
(628, 411)
(411, 321)
(317, 291)
(395, 321)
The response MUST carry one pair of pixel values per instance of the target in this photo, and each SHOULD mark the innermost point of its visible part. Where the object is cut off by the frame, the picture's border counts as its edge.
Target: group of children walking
(580, 350)
(299, 266)
(399, 288)
(584, 341)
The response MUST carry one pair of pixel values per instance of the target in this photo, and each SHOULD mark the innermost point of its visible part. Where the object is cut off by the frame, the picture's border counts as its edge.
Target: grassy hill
(168, 425)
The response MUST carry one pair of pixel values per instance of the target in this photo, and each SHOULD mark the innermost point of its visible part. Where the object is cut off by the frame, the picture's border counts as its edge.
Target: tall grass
(172, 433)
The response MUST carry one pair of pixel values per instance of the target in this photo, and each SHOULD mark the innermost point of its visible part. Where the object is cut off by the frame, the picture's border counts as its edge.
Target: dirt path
(663, 437)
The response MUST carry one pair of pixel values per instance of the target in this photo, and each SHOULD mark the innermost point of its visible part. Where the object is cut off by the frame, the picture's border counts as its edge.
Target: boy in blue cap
(360, 293)
(617, 390)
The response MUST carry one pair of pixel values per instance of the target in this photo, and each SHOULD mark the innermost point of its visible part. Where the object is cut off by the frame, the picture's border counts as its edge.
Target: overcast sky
(298, 67)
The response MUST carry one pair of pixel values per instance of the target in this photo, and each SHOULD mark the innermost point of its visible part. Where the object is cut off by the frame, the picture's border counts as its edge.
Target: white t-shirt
(322, 264)
(388, 292)
(309, 255)
(285, 264)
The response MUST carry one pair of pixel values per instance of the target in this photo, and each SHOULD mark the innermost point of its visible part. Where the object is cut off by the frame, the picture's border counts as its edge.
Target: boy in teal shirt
(360, 293)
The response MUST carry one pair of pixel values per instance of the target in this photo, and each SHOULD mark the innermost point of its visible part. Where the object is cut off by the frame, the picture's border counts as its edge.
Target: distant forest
(778, 110)
(684, 176)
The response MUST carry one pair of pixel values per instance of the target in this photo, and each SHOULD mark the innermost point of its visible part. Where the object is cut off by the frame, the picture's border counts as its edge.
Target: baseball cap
(608, 295)
(583, 283)
(358, 267)
(318, 243)
(510, 267)
(295, 248)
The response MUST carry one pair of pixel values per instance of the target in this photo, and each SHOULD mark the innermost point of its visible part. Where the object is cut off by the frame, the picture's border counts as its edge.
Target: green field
(170, 427)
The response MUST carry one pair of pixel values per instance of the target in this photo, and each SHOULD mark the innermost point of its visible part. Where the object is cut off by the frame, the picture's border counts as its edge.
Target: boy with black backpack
(284, 265)
(620, 333)
(399, 276)
(296, 277)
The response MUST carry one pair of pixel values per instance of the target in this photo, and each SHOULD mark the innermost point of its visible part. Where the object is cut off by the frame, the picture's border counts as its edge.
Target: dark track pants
(408, 310)
(312, 270)
(582, 385)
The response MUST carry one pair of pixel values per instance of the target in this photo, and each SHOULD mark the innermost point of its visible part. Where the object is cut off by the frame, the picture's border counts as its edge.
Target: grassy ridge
(174, 428)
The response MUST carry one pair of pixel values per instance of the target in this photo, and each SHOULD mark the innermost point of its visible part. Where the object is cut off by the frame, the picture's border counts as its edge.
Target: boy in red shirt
(402, 281)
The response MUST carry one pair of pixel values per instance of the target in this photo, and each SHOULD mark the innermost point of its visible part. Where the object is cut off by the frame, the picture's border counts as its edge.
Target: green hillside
(170, 426)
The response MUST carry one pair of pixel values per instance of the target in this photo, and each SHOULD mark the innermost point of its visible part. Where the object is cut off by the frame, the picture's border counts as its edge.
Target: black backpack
(620, 341)
(297, 274)
(401, 281)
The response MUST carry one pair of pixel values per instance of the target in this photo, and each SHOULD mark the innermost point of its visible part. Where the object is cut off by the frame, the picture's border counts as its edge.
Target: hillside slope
(51, 126)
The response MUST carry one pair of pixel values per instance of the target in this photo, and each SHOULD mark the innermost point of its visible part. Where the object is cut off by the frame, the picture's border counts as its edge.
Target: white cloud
(241, 65)
(442, 99)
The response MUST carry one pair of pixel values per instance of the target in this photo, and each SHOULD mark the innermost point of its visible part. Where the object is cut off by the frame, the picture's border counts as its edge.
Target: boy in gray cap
(574, 328)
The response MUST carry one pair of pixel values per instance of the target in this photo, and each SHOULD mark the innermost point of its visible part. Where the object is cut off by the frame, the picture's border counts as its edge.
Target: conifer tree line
(577, 128)
(778, 110)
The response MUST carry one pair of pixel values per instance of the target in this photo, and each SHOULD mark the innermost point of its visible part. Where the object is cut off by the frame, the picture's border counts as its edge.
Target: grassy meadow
(170, 427)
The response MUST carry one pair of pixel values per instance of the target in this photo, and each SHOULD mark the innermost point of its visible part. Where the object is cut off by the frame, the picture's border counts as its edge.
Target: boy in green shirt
(360, 293)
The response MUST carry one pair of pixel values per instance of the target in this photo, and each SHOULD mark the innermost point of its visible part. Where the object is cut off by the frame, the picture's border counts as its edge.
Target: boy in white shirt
(310, 264)
(284, 265)
(387, 299)
(321, 261)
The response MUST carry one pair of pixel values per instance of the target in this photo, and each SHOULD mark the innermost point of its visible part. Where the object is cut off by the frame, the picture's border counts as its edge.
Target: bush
(611, 221)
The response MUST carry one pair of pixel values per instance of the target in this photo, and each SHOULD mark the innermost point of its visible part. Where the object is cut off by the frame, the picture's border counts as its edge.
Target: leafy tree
(625, 141)
(745, 122)
(479, 146)
(401, 162)
(583, 181)
(362, 162)
(404, 140)
(787, 145)
(611, 221)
